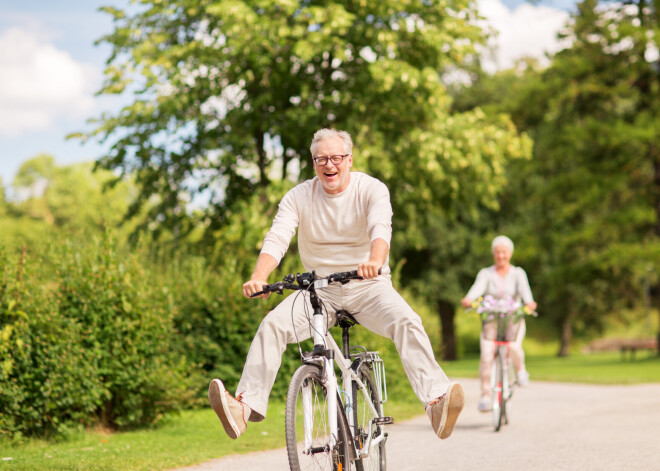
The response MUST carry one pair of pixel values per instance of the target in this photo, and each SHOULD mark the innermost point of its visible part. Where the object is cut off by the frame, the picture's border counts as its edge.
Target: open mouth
(330, 174)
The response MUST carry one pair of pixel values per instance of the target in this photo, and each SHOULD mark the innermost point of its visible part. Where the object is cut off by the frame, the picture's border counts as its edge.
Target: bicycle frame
(341, 435)
(327, 352)
(503, 351)
(501, 391)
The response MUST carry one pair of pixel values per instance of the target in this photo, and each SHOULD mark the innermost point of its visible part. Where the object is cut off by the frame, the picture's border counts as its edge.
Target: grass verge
(182, 440)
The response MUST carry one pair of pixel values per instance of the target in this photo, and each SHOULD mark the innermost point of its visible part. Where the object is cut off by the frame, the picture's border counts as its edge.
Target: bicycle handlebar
(305, 280)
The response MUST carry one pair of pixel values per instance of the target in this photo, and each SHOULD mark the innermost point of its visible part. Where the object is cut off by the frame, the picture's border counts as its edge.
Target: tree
(587, 203)
(226, 91)
(443, 213)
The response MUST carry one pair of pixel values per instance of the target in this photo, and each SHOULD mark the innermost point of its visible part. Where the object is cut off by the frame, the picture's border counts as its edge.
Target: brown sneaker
(445, 411)
(230, 410)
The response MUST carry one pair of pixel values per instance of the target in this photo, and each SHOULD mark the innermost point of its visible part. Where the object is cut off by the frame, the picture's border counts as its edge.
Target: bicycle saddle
(345, 319)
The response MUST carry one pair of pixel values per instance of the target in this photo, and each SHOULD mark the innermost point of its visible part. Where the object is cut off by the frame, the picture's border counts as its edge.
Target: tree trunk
(261, 153)
(566, 337)
(285, 165)
(448, 347)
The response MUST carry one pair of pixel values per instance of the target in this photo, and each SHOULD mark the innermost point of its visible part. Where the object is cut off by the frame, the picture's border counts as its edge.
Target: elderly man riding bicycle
(344, 221)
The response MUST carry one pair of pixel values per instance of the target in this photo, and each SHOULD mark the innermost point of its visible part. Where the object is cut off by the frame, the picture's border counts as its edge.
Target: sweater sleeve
(379, 217)
(277, 240)
(479, 286)
(523, 288)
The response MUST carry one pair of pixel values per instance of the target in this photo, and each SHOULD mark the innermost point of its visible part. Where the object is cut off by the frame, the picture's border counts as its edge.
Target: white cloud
(527, 31)
(41, 85)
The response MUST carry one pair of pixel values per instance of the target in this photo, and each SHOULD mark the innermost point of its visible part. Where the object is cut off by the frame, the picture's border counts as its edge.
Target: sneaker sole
(454, 402)
(218, 400)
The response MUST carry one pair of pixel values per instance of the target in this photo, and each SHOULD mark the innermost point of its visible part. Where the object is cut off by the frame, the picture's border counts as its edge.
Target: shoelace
(436, 400)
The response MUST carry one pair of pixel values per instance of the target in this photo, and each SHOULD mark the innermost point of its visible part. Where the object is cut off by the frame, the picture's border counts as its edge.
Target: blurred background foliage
(120, 280)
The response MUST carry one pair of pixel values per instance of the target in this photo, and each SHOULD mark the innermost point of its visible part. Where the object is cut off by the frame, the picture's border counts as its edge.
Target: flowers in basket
(490, 308)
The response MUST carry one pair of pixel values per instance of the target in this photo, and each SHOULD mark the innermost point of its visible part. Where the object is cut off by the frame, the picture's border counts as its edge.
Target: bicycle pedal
(383, 420)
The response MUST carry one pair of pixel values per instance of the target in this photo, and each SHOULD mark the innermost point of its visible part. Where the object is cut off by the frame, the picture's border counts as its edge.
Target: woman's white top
(514, 284)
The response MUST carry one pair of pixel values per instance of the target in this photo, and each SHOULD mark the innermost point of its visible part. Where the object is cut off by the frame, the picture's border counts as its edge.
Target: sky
(50, 68)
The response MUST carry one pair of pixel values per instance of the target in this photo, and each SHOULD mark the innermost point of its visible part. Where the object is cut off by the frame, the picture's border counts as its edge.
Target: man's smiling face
(333, 177)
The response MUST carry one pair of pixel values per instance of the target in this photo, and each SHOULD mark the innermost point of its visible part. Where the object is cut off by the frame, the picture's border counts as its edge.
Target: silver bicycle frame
(322, 337)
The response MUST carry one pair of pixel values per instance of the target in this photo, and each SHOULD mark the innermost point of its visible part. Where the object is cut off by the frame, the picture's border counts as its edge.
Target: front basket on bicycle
(504, 328)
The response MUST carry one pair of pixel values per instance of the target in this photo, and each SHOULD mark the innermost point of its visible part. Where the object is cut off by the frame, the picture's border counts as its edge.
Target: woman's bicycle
(502, 330)
(502, 318)
(328, 426)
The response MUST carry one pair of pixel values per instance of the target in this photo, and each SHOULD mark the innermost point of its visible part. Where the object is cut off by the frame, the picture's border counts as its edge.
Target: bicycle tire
(497, 396)
(362, 417)
(308, 378)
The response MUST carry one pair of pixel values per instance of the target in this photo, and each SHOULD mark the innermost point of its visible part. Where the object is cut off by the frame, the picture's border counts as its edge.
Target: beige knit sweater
(335, 231)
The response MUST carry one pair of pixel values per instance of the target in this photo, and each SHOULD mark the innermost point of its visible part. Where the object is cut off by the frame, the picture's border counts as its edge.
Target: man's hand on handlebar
(368, 270)
(254, 286)
(304, 281)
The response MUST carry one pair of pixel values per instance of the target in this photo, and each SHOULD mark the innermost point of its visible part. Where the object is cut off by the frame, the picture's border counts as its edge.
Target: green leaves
(227, 78)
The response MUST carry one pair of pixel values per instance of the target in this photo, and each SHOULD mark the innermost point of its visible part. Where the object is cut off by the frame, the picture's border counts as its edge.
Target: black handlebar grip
(354, 272)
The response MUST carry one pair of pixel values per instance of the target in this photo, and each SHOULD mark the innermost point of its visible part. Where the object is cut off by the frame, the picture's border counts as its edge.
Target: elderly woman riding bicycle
(501, 280)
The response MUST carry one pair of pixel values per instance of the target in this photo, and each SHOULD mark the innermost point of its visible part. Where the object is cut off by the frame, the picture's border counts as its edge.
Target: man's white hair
(502, 240)
(323, 134)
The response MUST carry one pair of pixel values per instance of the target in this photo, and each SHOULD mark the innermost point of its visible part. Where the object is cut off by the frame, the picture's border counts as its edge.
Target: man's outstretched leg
(383, 311)
(261, 366)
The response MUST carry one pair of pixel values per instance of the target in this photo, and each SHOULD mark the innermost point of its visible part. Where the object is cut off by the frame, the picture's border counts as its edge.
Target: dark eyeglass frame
(335, 159)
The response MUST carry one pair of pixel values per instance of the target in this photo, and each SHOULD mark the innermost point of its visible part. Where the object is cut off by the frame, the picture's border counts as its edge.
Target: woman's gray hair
(502, 240)
(323, 134)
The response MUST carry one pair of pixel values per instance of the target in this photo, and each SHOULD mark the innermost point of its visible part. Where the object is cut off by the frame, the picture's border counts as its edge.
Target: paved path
(554, 426)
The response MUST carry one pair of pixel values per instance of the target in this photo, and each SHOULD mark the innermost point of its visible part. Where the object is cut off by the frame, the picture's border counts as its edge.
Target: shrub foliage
(87, 338)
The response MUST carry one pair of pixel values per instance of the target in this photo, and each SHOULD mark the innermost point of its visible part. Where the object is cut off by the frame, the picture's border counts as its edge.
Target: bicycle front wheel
(307, 428)
(496, 393)
(362, 417)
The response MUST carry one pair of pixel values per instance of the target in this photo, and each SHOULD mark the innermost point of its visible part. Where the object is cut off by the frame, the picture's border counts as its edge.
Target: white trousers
(488, 352)
(375, 304)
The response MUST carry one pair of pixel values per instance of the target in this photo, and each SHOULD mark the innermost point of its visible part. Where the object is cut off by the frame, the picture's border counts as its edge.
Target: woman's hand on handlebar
(368, 270)
(254, 286)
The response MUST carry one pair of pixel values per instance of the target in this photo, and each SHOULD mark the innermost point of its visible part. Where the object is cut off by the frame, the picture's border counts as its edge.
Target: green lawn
(185, 439)
(196, 436)
(597, 368)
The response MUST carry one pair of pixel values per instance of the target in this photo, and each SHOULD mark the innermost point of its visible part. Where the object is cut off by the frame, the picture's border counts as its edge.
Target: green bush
(87, 338)
(127, 328)
(47, 380)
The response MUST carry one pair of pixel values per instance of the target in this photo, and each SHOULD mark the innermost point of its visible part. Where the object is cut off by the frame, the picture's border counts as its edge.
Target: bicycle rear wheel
(307, 427)
(362, 417)
(496, 394)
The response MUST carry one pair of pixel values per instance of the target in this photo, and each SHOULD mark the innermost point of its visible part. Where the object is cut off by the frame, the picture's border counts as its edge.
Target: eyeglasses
(335, 159)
